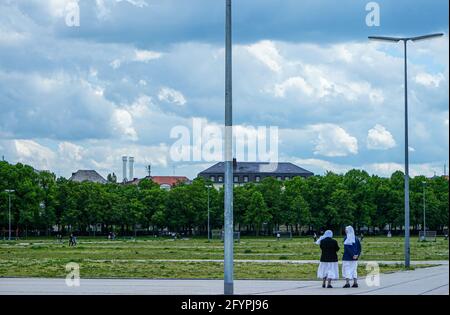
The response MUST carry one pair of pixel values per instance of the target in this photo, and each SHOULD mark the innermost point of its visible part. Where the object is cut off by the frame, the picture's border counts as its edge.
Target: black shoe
(323, 285)
(355, 285)
(330, 286)
(346, 286)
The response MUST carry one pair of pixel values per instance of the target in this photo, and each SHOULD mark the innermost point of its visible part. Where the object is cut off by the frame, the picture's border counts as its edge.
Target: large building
(254, 172)
(87, 176)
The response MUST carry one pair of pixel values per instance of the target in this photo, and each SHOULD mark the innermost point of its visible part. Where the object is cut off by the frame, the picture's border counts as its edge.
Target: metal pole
(209, 239)
(407, 224)
(229, 229)
(424, 222)
(9, 215)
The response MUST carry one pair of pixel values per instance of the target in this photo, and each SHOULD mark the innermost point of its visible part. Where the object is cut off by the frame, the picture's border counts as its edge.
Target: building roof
(87, 176)
(259, 168)
(169, 180)
(162, 180)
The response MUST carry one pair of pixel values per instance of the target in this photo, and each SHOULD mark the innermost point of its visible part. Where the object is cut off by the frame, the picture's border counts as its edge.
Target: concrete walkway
(434, 281)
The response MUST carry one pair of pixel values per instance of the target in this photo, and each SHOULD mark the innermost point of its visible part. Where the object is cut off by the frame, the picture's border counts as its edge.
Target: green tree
(258, 212)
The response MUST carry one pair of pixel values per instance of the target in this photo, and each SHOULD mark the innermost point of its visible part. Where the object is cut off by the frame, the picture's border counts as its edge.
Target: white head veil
(351, 239)
(325, 235)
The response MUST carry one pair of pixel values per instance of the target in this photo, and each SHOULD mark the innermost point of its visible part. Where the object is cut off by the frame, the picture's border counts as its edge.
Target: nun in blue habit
(352, 252)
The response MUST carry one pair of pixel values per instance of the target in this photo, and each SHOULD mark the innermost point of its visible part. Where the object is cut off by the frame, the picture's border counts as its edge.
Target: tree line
(42, 202)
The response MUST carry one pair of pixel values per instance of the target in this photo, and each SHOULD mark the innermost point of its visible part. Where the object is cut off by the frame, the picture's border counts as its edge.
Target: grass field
(157, 258)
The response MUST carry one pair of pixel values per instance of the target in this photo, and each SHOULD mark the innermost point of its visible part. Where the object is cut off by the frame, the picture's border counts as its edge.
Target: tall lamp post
(9, 191)
(424, 222)
(405, 41)
(209, 233)
(228, 202)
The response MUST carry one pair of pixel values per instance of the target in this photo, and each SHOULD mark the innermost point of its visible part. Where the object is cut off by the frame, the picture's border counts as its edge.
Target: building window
(245, 179)
(213, 179)
(220, 179)
(165, 186)
(257, 179)
(236, 179)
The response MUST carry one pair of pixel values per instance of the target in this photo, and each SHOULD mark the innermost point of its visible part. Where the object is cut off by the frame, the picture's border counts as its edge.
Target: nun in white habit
(352, 252)
(328, 267)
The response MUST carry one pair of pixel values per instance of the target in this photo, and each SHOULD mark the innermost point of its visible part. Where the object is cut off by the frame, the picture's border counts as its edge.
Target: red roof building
(165, 182)
(169, 181)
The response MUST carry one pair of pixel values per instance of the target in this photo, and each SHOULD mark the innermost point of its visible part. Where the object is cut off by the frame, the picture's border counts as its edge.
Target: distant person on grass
(72, 240)
(352, 251)
(328, 267)
(71, 243)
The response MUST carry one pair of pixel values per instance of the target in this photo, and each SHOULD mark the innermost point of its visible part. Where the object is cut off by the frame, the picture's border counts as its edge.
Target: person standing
(352, 252)
(71, 243)
(328, 267)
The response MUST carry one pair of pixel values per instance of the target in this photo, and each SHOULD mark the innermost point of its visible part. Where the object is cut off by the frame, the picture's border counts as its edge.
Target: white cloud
(70, 152)
(388, 168)
(334, 141)
(385, 169)
(379, 138)
(316, 82)
(343, 53)
(103, 11)
(104, 7)
(136, 3)
(172, 96)
(296, 83)
(136, 56)
(146, 55)
(122, 121)
(58, 8)
(115, 64)
(9, 37)
(267, 53)
(29, 151)
(321, 166)
(429, 80)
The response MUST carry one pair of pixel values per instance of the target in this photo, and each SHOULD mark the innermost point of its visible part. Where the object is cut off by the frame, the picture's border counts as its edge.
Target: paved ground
(424, 281)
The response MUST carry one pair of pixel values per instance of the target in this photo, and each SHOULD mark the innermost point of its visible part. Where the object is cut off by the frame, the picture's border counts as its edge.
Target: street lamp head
(425, 37)
(397, 39)
(385, 39)
(9, 190)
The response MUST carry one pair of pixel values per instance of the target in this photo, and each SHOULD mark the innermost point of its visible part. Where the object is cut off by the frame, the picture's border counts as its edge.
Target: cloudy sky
(80, 97)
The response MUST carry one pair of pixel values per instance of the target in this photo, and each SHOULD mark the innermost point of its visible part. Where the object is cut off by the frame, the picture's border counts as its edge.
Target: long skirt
(329, 270)
(350, 269)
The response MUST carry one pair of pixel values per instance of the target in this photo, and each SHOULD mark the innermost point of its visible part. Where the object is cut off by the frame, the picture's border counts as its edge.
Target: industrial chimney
(124, 168)
(131, 165)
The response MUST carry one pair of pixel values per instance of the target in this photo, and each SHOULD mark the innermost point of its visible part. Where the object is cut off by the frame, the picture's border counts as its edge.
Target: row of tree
(41, 201)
